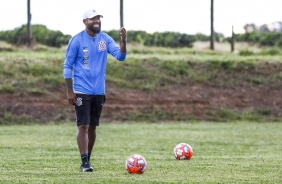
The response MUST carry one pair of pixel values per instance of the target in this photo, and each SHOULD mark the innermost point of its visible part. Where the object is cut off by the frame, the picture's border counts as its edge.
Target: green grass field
(238, 152)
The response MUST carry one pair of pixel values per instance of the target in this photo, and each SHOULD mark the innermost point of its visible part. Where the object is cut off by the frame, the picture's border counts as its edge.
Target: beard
(94, 29)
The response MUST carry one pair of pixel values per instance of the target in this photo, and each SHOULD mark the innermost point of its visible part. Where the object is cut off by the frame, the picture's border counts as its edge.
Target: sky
(184, 16)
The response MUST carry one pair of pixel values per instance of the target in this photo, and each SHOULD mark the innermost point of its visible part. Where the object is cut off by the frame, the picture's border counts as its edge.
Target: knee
(83, 128)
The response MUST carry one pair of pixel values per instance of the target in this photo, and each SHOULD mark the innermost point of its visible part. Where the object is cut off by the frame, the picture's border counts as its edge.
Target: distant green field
(237, 152)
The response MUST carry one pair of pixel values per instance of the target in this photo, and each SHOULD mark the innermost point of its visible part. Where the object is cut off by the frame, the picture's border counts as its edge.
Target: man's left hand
(122, 34)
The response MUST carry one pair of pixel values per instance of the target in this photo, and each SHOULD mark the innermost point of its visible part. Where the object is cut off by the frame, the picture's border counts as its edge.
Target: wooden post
(232, 40)
(29, 31)
(121, 13)
(212, 28)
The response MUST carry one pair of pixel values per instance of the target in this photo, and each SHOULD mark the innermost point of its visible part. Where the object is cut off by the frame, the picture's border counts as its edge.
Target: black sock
(89, 155)
(84, 158)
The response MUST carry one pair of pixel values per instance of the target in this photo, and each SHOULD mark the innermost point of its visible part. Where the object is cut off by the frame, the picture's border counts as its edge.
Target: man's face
(93, 24)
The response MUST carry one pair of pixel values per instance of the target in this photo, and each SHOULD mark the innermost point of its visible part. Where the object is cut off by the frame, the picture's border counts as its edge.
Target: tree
(212, 28)
(121, 13)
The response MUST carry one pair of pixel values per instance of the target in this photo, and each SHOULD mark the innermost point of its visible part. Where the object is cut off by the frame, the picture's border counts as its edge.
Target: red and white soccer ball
(183, 151)
(135, 164)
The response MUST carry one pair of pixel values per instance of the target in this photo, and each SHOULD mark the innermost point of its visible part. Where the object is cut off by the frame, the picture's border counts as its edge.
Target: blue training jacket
(86, 59)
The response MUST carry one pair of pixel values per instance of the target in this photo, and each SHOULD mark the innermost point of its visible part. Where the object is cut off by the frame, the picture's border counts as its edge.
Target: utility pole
(212, 28)
(29, 31)
(121, 13)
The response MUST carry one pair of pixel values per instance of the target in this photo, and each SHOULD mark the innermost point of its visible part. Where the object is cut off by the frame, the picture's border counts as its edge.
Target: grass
(155, 68)
(146, 68)
(38, 72)
(237, 152)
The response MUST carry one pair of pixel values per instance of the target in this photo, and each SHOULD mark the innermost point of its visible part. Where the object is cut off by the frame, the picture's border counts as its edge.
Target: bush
(270, 39)
(246, 52)
(263, 39)
(271, 51)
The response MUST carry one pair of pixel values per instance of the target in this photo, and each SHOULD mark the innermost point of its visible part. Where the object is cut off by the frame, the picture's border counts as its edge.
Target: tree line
(42, 35)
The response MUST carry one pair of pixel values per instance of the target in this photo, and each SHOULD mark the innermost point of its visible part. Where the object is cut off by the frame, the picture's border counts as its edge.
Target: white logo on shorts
(78, 101)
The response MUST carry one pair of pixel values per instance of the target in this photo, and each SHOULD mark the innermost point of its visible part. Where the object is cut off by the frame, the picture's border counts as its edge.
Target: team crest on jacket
(102, 45)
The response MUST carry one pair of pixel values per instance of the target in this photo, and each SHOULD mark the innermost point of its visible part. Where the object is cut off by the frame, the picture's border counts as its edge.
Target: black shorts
(88, 109)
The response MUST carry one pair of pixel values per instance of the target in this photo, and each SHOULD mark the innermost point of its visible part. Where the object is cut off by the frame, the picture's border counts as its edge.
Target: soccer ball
(183, 151)
(135, 164)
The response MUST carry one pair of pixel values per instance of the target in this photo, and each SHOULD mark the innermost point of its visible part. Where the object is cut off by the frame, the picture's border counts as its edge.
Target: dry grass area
(226, 47)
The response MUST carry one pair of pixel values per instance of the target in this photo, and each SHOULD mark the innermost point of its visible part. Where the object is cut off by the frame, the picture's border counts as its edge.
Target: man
(85, 76)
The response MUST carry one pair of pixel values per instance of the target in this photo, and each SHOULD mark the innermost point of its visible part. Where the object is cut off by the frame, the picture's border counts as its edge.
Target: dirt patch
(201, 102)
(198, 101)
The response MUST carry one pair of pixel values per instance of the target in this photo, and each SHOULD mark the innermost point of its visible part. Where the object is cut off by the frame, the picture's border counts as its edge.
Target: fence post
(232, 40)
(29, 31)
